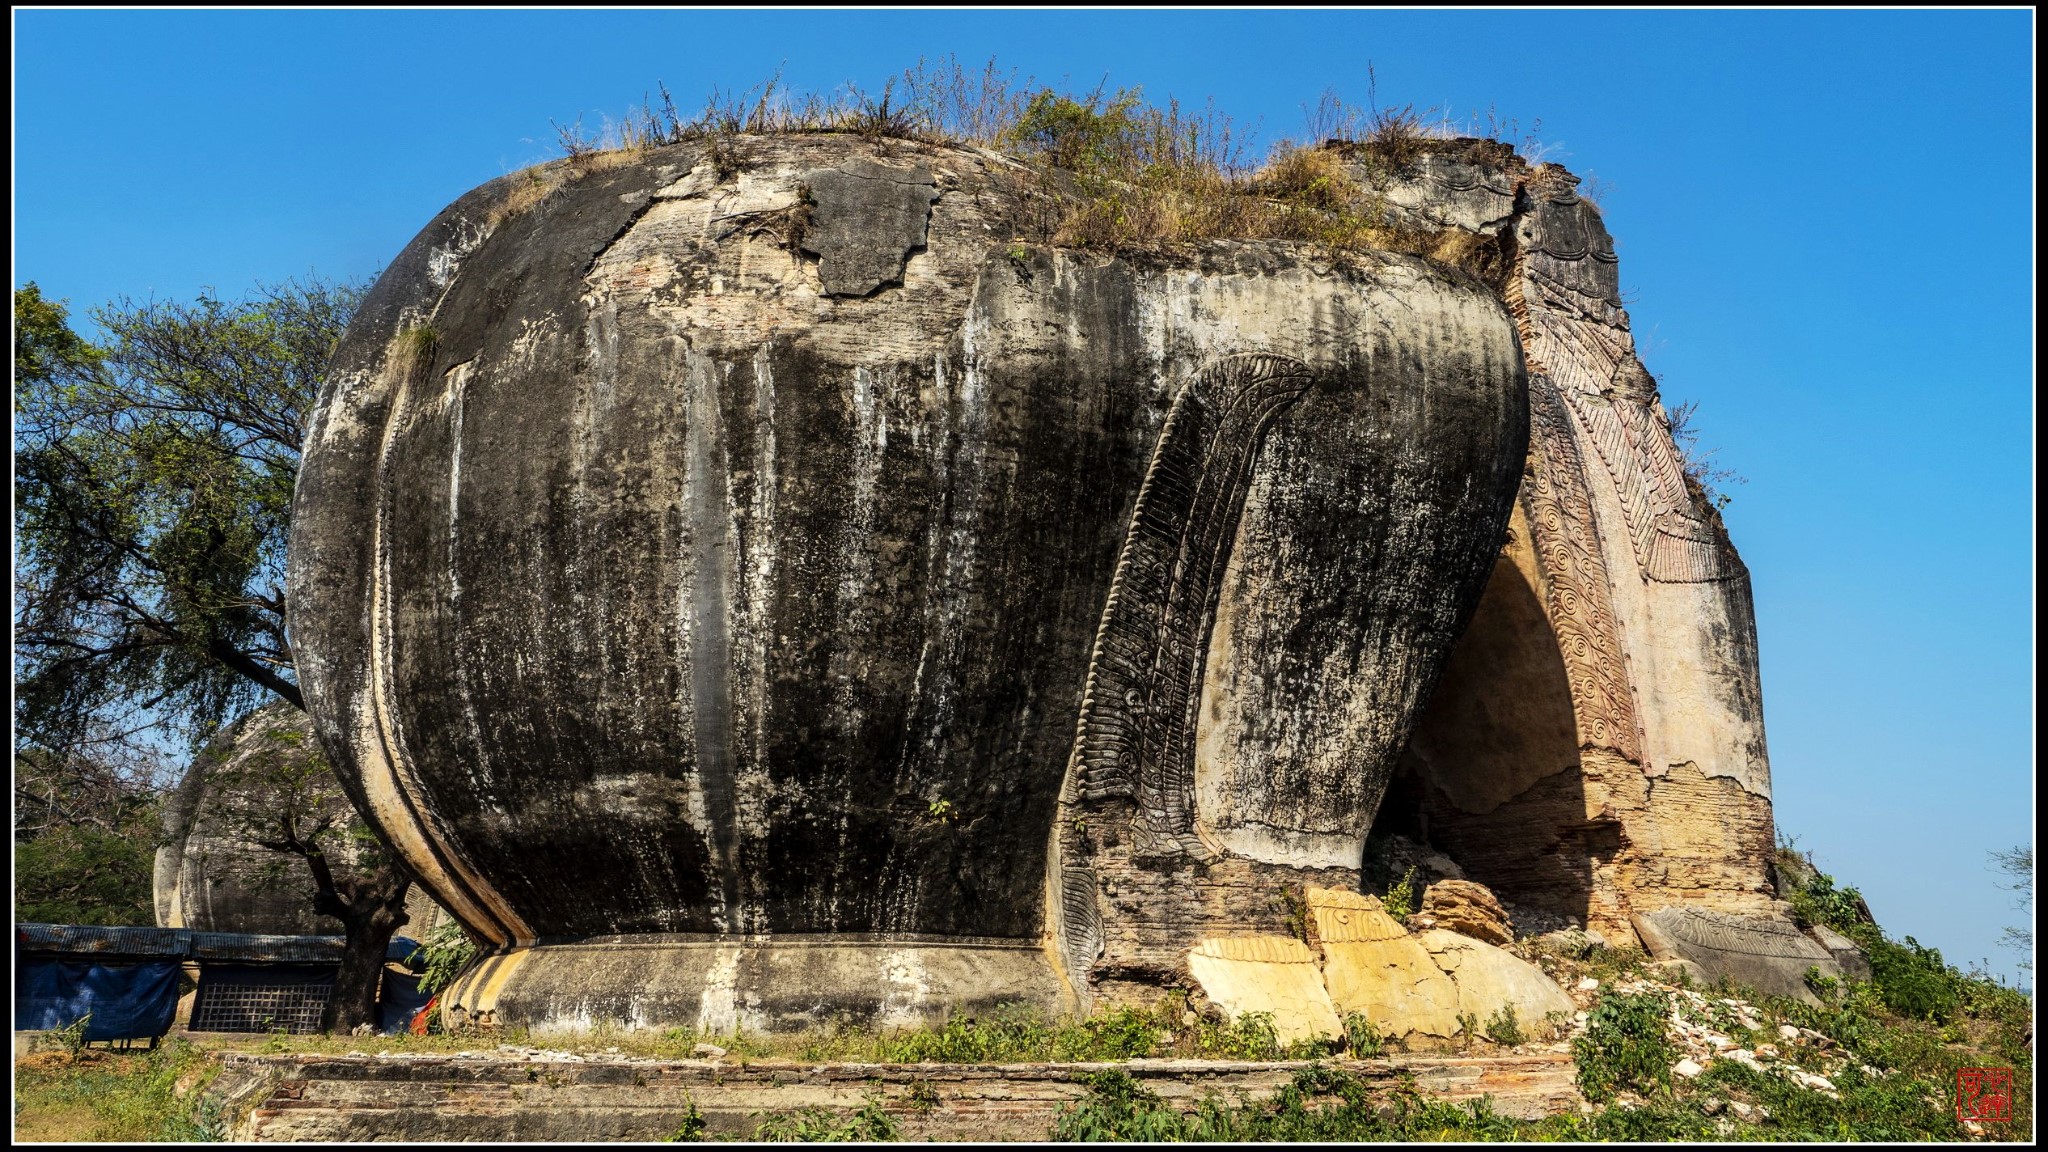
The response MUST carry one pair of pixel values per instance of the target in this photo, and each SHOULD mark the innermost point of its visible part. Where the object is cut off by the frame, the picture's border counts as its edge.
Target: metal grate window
(248, 998)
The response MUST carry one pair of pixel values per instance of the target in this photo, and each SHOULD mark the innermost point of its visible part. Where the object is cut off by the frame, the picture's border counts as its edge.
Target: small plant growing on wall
(1400, 899)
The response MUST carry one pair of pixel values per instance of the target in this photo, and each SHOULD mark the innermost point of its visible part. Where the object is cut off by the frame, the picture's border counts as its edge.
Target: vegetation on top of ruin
(1135, 174)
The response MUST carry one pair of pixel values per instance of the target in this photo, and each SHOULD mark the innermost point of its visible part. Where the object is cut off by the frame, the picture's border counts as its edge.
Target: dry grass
(1132, 175)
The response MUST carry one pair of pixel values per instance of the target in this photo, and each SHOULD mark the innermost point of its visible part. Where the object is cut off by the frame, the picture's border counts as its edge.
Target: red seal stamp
(1983, 1094)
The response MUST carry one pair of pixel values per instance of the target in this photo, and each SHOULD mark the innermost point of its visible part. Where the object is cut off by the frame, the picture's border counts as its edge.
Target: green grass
(1624, 1047)
(103, 1095)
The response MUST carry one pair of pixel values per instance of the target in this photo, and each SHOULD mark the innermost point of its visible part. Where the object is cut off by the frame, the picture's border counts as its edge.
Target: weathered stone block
(1764, 952)
(1468, 908)
(1272, 974)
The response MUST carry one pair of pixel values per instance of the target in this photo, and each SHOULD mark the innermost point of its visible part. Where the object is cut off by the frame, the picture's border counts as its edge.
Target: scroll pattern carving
(1575, 588)
(1586, 357)
(1135, 740)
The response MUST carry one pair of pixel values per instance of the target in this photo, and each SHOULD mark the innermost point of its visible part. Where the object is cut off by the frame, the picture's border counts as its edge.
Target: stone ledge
(494, 1097)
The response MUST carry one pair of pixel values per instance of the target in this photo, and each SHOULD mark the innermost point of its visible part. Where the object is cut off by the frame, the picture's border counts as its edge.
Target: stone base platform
(494, 1096)
(757, 984)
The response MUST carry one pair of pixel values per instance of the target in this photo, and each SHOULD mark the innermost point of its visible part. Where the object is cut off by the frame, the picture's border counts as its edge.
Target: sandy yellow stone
(1489, 979)
(1275, 974)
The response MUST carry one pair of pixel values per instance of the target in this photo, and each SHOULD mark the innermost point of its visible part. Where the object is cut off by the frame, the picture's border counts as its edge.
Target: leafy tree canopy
(153, 487)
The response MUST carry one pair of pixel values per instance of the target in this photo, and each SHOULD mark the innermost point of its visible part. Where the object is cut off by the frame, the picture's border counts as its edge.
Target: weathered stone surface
(1763, 952)
(1490, 979)
(1372, 965)
(1272, 974)
(865, 220)
(771, 544)
(1595, 747)
(1465, 907)
(1854, 962)
(667, 588)
(784, 984)
(1396, 983)
(1414, 986)
(1341, 916)
(210, 873)
(542, 1097)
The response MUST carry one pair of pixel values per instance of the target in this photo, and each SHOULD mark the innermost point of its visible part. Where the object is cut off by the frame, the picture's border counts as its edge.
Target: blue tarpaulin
(399, 1002)
(127, 1001)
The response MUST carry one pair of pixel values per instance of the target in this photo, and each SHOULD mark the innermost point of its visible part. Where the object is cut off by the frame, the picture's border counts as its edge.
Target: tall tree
(153, 484)
(152, 489)
(2018, 866)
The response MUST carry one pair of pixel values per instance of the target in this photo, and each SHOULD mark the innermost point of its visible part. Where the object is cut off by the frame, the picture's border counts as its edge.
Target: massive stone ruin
(212, 871)
(758, 583)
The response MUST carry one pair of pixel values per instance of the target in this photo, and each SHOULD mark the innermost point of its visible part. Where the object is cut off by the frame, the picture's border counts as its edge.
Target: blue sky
(1825, 222)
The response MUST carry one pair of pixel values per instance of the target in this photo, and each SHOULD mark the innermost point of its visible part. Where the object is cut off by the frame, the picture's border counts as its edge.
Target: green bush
(1504, 1029)
(1400, 898)
(1913, 980)
(1118, 1108)
(869, 1122)
(1625, 1046)
(1363, 1037)
(445, 952)
(80, 874)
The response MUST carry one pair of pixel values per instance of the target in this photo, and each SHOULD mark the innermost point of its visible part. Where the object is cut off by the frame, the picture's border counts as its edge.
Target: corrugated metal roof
(89, 940)
(252, 948)
(85, 940)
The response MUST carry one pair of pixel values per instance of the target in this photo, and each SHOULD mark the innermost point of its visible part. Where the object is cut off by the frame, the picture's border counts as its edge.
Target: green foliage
(153, 484)
(1910, 980)
(1011, 1034)
(1913, 980)
(118, 1097)
(72, 1035)
(816, 1124)
(80, 874)
(1502, 1027)
(1399, 900)
(1874, 1108)
(1249, 1037)
(1019, 1033)
(1362, 1037)
(692, 1129)
(1319, 1105)
(1818, 901)
(1086, 135)
(445, 952)
(1468, 1028)
(1625, 1046)
(1117, 1108)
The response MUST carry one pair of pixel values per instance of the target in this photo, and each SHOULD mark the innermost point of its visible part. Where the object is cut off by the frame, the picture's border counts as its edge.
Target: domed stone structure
(759, 583)
(212, 875)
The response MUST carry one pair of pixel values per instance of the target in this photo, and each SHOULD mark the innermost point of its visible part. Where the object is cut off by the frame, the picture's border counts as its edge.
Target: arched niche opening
(1492, 776)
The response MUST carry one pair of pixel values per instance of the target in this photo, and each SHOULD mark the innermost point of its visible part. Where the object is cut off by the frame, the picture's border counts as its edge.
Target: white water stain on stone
(907, 989)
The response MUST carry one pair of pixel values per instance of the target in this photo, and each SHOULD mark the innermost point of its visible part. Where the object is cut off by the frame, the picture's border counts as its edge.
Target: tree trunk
(371, 909)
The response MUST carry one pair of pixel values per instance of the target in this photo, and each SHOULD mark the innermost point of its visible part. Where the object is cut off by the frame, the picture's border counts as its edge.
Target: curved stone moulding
(1135, 740)
(1560, 513)
(1137, 722)
(720, 985)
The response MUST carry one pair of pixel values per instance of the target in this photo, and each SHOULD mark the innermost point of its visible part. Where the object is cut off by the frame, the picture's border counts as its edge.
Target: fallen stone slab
(1271, 974)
